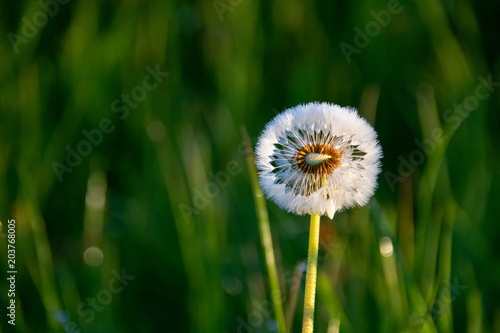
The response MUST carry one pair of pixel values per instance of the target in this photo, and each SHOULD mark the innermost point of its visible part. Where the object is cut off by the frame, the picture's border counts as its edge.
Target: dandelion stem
(312, 271)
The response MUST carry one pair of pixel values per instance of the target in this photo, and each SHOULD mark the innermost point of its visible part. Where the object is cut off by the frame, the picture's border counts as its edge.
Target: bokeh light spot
(95, 197)
(334, 326)
(232, 285)
(272, 325)
(61, 316)
(386, 248)
(93, 256)
(156, 130)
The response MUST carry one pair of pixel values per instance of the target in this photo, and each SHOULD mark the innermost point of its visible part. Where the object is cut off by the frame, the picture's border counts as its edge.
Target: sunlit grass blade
(417, 306)
(406, 222)
(326, 294)
(265, 234)
(189, 241)
(47, 281)
(428, 221)
(445, 320)
(474, 311)
(95, 200)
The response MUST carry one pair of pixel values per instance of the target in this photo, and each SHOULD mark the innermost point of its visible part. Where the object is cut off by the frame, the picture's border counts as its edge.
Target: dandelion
(318, 159)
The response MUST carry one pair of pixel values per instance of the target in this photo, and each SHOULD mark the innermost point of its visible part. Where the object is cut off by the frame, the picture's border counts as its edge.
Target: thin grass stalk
(265, 235)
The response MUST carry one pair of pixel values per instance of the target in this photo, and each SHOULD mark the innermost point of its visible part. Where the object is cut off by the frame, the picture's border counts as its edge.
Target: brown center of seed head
(318, 159)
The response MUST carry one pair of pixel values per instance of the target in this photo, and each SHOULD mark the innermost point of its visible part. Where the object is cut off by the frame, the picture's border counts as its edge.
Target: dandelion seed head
(318, 158)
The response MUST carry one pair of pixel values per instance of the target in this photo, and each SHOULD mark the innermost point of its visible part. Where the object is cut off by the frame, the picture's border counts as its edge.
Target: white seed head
(318, 158)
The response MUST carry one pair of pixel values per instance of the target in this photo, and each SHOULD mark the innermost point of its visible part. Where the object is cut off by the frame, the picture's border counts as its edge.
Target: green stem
(267, 244)
(312, 271)
(265, 235)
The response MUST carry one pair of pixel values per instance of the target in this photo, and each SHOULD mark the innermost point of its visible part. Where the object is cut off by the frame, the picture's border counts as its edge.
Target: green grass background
(205, 271)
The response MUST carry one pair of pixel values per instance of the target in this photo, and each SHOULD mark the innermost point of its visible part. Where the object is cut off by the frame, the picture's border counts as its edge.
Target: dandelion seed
(318, 158)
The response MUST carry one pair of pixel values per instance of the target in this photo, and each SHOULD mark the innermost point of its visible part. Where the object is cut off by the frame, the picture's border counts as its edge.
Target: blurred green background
(161, 189)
